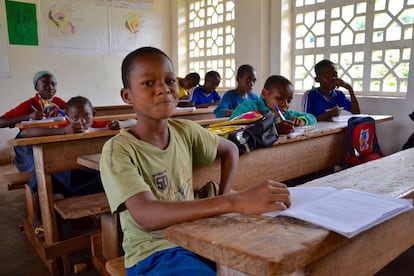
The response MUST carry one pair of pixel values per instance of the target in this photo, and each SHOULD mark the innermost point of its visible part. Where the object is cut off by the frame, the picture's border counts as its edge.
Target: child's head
(80, 108)
(246, 78)
(45, 84)
(149, 83)
(277, 90)
(191, 80)
(326, 74)
(211, 81)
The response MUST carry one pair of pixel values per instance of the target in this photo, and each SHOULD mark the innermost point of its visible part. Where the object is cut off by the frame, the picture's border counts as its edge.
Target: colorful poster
(129, 4)
(21, 23)
(72, 27)
(128, 30)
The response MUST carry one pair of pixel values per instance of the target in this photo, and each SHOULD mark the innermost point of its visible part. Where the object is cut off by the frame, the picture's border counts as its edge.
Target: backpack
(261, 134)
(361, 141)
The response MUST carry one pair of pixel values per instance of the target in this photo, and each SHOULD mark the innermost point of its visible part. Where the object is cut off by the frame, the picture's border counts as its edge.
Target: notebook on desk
(345, 118)
(347, 212)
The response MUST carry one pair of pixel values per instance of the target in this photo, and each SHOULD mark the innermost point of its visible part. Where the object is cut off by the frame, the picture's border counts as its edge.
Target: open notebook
(347, 212)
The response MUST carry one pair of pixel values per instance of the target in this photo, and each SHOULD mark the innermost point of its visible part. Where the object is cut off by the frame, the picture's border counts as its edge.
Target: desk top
(261, 245)
(179, 112)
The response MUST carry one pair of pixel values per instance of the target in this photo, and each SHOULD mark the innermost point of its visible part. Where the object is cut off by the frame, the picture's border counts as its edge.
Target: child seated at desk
(79, 115)
(326, 101)
(276, 95)
(185, 85)
(246, 78)
(146, 187)
(43, 105)
(206, 95)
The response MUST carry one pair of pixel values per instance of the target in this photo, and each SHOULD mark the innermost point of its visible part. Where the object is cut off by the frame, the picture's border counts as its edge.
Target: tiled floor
(17, 257)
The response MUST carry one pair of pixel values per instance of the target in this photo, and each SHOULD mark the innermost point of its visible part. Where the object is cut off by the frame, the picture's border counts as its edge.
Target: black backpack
(260, 134)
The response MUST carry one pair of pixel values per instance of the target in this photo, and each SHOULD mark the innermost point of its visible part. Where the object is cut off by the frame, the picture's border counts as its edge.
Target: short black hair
(322, 65)
(193, 76)
(129, 59)
(276, 80)
(244, 69)
(212, 74)
(78, 101)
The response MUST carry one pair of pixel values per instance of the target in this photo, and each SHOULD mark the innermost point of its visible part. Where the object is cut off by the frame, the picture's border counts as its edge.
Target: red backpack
(362, 143)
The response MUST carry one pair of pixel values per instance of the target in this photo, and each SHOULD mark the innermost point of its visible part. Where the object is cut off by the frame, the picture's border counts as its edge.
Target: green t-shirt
(129, 166)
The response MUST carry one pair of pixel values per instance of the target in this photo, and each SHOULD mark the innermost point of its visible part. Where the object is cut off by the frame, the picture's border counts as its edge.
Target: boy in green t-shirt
(147, 172)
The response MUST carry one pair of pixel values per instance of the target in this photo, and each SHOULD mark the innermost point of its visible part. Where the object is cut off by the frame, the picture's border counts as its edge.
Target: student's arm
(10, 122)
(229, 155)
(300, 118)
(73, 127)
(354, 102)
(153, 214)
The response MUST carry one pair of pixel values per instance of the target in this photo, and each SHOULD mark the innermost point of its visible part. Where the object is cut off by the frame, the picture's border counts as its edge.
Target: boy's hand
(285, 127)
(298, 121)
(114, 125)
(37, 115)
(264, 197)
(334, 111)
(75, 126)
(341, 83)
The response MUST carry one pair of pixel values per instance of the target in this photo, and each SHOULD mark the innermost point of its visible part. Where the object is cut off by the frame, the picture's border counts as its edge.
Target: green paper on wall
(21, 23)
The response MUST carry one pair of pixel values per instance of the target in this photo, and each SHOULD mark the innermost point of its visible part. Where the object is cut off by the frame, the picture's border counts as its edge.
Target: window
(370, 41)
(210, 35)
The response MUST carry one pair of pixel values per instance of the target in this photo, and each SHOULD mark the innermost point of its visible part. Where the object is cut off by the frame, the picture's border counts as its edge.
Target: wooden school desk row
(324, 147)
(181, 113)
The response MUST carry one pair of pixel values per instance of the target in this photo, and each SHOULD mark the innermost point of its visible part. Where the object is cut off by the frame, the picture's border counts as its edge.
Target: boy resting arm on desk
(326, 101)
(146, 186)
(79, 118)
(276, 95)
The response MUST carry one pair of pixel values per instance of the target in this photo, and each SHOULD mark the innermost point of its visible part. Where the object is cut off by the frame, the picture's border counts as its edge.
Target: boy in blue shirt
(246, 78)
(325, 101)
(277, 94)
(206, 94)
(146, 187)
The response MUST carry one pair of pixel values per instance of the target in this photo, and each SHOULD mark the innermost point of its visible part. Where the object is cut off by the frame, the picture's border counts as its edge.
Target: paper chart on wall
(128, 30)
(67, 27)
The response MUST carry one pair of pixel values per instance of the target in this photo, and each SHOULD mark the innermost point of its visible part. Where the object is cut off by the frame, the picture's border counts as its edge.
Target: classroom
(276, 37)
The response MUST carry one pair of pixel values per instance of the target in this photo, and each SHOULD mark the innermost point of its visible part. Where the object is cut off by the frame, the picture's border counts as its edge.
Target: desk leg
(45, 191)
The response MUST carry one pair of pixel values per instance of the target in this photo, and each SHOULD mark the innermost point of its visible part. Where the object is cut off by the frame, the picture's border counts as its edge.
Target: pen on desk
(280, 113)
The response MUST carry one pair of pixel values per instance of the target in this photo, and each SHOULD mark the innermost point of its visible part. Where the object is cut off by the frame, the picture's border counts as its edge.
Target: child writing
(326, 101)
(146, 187)
(43, 105)
(276, 95)
(206, 94)
(246, 78)
(79, 116)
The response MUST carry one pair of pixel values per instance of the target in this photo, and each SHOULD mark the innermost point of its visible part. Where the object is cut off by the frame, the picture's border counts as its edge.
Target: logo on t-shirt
(161, 180)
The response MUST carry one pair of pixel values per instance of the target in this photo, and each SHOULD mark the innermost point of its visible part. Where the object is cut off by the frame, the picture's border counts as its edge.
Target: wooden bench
(16, 180)
(76, 207)
(115, 267)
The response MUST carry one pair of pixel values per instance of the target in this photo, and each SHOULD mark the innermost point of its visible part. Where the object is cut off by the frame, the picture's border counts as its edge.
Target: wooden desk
(198, 114)
(54, 154)
(259, 245)
(309, 152)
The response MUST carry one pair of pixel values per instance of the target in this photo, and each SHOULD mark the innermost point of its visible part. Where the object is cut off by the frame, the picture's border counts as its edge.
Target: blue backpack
(361, 141)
